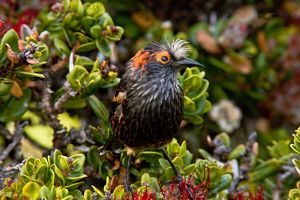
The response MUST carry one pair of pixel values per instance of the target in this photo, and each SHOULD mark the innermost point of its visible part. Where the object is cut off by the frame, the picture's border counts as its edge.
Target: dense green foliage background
(60, 63)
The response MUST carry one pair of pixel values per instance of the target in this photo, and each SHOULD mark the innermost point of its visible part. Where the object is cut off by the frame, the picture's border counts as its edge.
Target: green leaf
(77, 102)
(41, 134)
(69, 197)
(85, 47)
(163, 163)
(77, 77)
(5, 87)
(28, 168)
(189, 104)
(265, 169)
(73, 183)
(50, 178)
(96, 31)
(103, 47)
(183, 148)
(98, 191)
(94, 82)
(105, 20)
(88, 195)
(84, 61)
(146, 179)
(60, 178)
(174, 147)
(119, 192)
(77, 162)
(169, 173)
(193, 81)
(76, 7)
(44, 51)
(198, 107)
(95, 10)
(56, 156)
(10, 37)
(296, 145)
(205, 154)
(61, 46)
(196, 119)
(23, 74)
(110, 84)
(223, 183)
(237, 152)
(149, 156)
(14, 107)
(98, 107)
(224, 138)
(66, 4)
(45, 175)
(177, 161)
(189, 169)
(76, 194)
(31, 190)
(297, 164)
(115, 33)
(93, 157)
(279, 149)
(45, 193)
(63, 164)
(69, 122)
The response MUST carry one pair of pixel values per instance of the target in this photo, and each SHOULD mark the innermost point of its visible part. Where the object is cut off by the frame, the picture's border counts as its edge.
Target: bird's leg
(126, 181)
(178, 175)
(103, 149)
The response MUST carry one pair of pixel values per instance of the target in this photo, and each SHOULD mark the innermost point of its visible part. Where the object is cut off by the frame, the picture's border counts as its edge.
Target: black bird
(147, 108)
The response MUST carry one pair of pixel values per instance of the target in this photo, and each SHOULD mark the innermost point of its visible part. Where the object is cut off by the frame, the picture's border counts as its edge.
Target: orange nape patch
(140, 59)
(163, 57)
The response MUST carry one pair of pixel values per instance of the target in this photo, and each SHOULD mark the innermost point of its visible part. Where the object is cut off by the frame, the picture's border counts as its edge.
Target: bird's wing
(116, 115)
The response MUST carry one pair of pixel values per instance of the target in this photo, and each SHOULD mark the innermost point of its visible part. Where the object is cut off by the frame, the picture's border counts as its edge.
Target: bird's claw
(128, 188)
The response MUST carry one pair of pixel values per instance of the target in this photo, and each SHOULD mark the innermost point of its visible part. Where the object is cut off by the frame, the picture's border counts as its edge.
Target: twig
(59, 65)
(60, 137)
(10, 171)
(16, 140)
(245, 164)
(47, 106)
(221, 151)
(69, 93)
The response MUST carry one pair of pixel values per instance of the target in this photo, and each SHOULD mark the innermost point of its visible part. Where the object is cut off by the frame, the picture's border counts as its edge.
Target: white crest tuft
(178, 47)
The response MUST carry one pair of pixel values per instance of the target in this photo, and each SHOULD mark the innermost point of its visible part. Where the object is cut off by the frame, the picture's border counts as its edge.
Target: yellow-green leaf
(31, 190)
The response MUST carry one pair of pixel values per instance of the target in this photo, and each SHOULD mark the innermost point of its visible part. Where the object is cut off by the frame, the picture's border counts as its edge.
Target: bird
(147, 108)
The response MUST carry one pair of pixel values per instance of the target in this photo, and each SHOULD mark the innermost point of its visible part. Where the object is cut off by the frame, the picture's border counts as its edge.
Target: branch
(60, 132)
(61, 138)
(10, 171)
(16, 140)
(69, 93)
(245, 164)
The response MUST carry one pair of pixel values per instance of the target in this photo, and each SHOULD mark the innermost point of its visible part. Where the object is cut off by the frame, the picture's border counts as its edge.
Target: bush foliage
(60, 63)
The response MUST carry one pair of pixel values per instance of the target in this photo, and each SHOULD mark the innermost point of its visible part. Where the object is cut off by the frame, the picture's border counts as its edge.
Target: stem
(69, 93)
(60, 137)
(16, 140)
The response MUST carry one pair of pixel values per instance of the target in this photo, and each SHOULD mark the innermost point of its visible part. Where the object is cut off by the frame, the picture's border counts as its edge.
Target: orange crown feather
(140, 59)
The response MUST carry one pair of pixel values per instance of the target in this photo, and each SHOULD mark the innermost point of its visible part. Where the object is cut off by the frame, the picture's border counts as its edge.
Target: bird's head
(163, 56)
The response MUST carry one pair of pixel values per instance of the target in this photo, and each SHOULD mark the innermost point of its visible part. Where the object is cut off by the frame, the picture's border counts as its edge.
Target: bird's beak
(188, 62)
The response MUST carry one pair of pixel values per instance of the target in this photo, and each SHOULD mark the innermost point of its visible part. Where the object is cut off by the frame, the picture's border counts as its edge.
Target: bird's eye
(164, 59)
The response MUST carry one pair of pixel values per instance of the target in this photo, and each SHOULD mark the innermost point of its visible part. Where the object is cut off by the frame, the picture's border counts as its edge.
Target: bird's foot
(126, 180)
(179, 177)
(127, 187)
